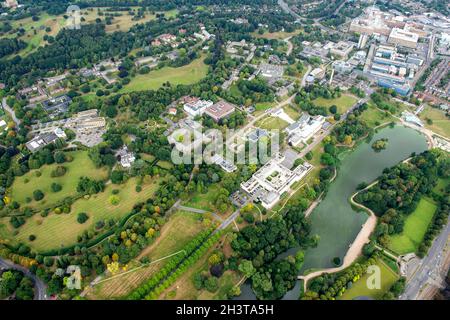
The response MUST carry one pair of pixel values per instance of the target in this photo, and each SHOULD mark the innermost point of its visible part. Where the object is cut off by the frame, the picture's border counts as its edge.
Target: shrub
(114, 200)
(32, 237)
(38, 195)
(59, 171)
(82, 217)
(56, 187)
(138, 188)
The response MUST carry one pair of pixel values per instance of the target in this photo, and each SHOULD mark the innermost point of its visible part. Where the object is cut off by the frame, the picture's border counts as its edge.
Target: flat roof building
(272, 180)
(403, 38)
(220, 110)
(196, 107)
(45, 139)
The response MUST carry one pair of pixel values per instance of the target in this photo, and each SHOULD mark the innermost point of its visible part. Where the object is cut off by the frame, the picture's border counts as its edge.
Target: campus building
(272, 180)
(220, 110)
(196, 107)
(403, 38)
(304, 129)
(40, 141)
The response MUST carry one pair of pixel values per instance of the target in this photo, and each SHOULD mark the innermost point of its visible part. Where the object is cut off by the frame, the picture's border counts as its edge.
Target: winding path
(355, 248)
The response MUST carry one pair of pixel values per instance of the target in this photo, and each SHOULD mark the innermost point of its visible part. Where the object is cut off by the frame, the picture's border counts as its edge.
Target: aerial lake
(334, 220)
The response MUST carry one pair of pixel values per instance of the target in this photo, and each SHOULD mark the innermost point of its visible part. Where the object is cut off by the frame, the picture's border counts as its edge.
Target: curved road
(40, 289)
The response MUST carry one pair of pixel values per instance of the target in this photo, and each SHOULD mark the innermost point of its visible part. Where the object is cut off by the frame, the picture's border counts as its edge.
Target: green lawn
(270, 123)
(186, 75)
(343, 103)
(260, 107)
(79, 167)
(204, 201)
(440, 123)
(179, 230)
(441, 185)
(57, 230)
(373, 116)
(415, 227)
(359, 288)
(292, 112)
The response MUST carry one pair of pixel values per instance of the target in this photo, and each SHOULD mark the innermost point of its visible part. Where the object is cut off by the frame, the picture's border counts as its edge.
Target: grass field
(35, 30)
(121, 23)
(204, 201)
(261, 107)
(373, 116)
(441, 123)
(441, 185)
(359, 288)
(292, 112)
(175, 234)
(415, 227)
(57, 230)
(188, 74)
(275, 35)
(270, 123)
(343, 103)
(79, 167)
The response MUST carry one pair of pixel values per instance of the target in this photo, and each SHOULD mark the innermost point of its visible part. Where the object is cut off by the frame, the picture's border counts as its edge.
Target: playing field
(275, 35)
(181, 228)
(441, 123)
(343, 103)
(415, 227)
(188, 74)
(360, 287)
(79, 167)
(57, 230)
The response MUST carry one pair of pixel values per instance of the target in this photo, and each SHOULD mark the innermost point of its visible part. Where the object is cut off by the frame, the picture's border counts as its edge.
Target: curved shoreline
(356, 246)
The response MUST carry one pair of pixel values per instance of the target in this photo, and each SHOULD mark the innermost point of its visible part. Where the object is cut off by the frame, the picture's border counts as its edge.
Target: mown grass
(81, 166)
(416, 225)
(188, 74)
(58, 230)
(360, 288)
(181, 228)
(343, 103)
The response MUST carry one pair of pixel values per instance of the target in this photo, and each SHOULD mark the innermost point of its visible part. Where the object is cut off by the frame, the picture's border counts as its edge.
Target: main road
(430, 266)
(40, 292)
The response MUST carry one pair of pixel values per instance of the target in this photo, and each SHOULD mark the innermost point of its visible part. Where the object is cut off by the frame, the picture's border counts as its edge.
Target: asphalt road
(40, 289)
(430, 266)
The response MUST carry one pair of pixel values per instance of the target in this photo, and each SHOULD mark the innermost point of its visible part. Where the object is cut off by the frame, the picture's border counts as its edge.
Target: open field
(188, 74)
(204, 201)
(388, 277)
(184, 289)
(36, 30)
(293, 113)
(373, 116)
(343, 103)
(270, 123)
(275, 35)
(79, 167)
(416, 225)
(175, 234)
(57, 230)
(440, 123)
(123, 22)
(261, 107)
(441, 185)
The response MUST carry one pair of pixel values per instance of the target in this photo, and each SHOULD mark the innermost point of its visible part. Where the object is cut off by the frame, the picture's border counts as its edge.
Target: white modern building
(403, 37)
(272, 180)
(197, 107)
(304, 129)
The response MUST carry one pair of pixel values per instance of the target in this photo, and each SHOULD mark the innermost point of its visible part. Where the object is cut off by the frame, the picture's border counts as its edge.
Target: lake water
(334, 220)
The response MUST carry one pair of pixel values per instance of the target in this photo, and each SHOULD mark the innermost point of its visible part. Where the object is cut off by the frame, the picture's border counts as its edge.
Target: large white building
(304, 129)
(403, 38)
(197, 107)
(272, 180)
